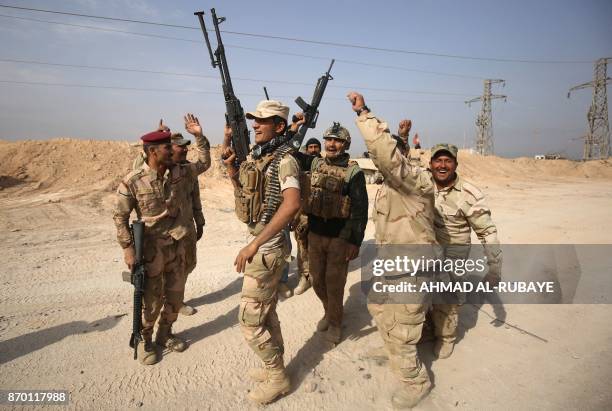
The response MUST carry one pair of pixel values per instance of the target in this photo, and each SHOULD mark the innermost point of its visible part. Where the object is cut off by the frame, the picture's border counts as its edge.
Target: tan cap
(450, 148)
(177, 138)
(269, 108)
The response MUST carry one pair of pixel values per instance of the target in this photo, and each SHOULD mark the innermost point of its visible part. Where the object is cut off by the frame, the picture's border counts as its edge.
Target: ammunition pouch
(249, 199)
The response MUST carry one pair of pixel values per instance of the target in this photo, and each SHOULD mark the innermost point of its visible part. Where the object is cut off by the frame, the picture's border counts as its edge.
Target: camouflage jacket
(165, 203)
(198, 215)
(404, 205)
(460, 209)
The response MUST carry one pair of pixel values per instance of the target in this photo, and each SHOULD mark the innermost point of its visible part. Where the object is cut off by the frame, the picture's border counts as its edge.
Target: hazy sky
(537, 117)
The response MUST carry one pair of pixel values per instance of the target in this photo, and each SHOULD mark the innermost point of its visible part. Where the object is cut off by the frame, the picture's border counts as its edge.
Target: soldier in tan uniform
(460, 208)
(157, 192)
(337, 208)
(267, 193)
(179, 156)
(403, 214)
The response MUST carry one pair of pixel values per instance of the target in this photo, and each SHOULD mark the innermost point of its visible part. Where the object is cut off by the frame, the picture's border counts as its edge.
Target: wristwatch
(362, 109)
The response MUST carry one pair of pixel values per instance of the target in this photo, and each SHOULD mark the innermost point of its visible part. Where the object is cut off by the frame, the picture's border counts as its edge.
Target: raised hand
(404, 128)
(356, 100)
(297, 120)
(192, 124)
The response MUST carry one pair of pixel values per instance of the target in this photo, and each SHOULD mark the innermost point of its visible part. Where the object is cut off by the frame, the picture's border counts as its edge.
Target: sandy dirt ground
(65, 315)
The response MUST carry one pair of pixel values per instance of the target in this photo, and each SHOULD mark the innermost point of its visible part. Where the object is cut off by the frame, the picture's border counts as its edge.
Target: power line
(295, 39)
(170, 73)
(163, 90)
(360, 63)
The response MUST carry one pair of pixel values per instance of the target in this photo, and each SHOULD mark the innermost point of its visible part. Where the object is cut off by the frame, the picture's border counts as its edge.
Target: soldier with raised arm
(403, 214)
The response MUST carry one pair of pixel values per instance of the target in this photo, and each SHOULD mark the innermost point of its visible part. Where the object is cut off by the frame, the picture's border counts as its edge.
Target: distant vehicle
(549, 156)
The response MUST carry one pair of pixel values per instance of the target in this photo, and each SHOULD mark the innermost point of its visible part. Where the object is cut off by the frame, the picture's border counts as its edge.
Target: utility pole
(484, 121)
(597, 140)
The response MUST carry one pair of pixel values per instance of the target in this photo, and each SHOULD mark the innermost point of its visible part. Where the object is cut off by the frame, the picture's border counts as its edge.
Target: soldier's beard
(444, 180)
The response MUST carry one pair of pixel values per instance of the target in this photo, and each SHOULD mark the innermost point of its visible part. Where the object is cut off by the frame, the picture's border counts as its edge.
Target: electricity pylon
(597, 140)
(484, 121)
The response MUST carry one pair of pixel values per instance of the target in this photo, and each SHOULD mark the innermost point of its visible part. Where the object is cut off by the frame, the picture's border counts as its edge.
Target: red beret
(156, 137)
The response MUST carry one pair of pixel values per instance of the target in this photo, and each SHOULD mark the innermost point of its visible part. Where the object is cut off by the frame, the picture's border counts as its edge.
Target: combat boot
(187, 310)
(333, 334)
(323, 324)
(284, 290)
(276, 384)
(410, 395)
(147, 354)
(443, 348)
(258, 374)
(165, 338)
(302, 286)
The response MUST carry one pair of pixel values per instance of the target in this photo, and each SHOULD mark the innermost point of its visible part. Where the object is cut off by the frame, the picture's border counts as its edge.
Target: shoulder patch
(471, 189)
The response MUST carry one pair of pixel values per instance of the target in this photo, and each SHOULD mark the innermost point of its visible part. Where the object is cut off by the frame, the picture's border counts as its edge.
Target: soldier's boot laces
(443, 348)
(410, 395)
(284, 290)
(376, 354)
(333, 334)
(302, 286)
(165, 338)
(323, 324)
(276, 384)
(147, 354)
(187, 310)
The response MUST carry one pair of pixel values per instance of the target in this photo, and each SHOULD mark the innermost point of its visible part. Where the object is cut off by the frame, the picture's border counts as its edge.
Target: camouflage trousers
(257, 312)
(328, 270)
(164, 284)
(301, 239)
(445, 318)
(400, 327)
(190, 254)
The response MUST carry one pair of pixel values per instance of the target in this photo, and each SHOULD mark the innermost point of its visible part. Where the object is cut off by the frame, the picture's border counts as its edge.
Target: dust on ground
(65, 314)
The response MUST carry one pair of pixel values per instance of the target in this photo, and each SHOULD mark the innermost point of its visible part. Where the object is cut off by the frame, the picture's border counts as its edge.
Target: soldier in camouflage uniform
(157, 192)
(403, 214)
(337, 208)
(460, 208)
(179, 156)
(267, 193)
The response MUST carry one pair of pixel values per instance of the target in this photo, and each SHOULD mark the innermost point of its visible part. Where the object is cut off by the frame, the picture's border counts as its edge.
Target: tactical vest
(328, 197)
(259, 196)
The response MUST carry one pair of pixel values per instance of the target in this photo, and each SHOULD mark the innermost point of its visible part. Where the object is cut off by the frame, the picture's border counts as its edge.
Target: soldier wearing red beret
(157, 192)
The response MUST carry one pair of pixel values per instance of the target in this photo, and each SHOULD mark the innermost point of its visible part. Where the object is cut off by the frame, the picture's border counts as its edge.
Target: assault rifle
(234, 116)
(137, 279)
(311, 111)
